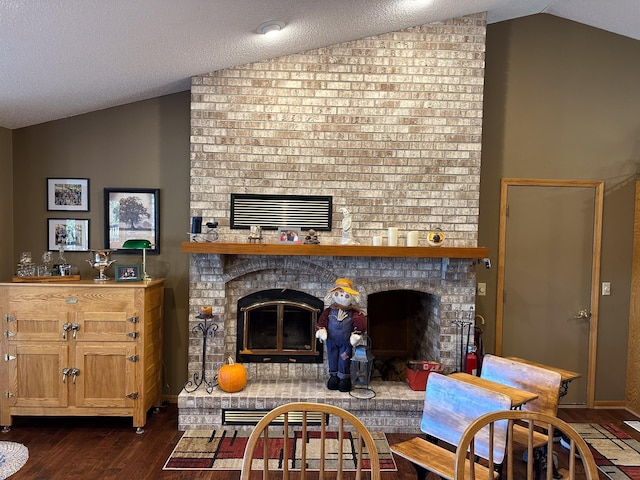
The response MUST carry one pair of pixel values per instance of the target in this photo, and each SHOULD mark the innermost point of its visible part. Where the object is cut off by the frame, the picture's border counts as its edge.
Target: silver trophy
(101, 261)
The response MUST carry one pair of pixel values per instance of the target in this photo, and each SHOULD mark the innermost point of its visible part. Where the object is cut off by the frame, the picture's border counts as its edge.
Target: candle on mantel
(393, 236)
(412, 239)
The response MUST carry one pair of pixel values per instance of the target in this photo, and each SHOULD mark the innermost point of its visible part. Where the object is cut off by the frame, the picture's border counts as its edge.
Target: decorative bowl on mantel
(435, 238)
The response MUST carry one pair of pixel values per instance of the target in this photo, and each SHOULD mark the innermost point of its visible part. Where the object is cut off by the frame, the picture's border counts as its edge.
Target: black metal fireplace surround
(278, 326)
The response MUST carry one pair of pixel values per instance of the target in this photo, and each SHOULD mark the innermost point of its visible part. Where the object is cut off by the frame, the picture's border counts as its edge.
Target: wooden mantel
(333, 250)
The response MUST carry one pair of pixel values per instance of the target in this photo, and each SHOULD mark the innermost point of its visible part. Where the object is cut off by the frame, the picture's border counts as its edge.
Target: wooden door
(632, 393)
(548, 276)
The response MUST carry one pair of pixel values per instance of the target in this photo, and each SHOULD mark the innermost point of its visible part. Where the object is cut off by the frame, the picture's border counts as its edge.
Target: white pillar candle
(376, 240)
(412, 239)
(393, 236)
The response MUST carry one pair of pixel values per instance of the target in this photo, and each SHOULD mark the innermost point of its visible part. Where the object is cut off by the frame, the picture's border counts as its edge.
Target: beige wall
(6, 203)
(144, 144)
(539, 70)
(562, 102)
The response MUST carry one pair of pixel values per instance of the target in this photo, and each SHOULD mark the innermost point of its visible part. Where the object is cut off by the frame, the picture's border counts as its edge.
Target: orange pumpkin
(232, 377)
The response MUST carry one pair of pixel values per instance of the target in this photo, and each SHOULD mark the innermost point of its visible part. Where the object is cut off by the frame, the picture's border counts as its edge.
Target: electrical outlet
(482, 289)
(606, 288)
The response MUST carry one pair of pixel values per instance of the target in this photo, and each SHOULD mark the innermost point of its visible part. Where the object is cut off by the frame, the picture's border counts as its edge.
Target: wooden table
(566, 376)
(518, 397)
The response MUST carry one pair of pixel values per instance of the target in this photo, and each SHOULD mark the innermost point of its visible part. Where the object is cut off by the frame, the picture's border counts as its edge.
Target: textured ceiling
(61, 58)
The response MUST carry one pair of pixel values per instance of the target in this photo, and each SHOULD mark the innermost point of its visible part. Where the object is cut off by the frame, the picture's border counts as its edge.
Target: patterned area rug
(223, 450)
(616, 453)
(13, 456)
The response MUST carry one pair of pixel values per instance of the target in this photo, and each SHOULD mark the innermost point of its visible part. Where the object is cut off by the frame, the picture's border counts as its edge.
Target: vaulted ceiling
(61, 58)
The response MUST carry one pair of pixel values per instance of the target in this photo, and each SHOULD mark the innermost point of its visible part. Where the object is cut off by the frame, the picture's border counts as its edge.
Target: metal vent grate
(252, 417)
(273, 211)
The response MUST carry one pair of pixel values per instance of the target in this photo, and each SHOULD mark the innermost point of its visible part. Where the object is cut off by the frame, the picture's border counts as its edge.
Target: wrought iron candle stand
(207, 329)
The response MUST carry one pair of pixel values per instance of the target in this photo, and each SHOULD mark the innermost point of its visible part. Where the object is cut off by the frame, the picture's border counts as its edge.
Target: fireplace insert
(278, 326)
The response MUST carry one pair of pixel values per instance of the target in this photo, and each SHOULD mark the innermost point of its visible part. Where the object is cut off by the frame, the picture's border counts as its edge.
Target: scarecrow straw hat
(346, 285)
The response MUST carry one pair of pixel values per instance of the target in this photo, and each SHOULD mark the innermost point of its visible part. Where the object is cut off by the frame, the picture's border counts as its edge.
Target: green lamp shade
(143, 244)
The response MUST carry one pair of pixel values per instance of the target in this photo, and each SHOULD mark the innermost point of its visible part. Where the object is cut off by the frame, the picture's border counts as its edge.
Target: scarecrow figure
(341, 326)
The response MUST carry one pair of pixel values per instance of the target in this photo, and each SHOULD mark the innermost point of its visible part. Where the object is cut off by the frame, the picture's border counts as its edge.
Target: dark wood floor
(108, 448)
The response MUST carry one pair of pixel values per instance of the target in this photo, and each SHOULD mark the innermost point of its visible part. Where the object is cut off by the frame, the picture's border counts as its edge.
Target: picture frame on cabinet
(71, 233)
(68, 194)
(128, 273)
(131, 214)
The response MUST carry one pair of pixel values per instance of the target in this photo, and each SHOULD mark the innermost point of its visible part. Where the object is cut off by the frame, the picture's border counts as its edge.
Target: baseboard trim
(609, 404)
(601, 404)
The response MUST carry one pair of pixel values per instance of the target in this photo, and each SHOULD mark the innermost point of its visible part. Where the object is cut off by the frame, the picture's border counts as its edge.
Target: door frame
(598, 186)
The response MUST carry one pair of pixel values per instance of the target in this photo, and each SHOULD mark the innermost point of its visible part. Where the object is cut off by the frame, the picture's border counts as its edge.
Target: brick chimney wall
(390, 126)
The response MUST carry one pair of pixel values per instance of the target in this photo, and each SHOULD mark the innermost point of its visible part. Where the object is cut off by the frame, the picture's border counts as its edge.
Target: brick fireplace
(231, 277)
(389, 126)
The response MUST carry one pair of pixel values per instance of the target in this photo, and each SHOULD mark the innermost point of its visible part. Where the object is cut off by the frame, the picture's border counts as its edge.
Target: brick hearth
(395, 407)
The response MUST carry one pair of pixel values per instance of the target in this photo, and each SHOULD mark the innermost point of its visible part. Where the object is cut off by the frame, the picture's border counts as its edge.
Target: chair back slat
(323, 442)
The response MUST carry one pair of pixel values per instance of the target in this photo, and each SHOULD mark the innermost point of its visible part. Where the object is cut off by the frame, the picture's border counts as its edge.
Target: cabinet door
(107, 375)
(35, 374)
(35, 314)
(108, 314)
(107, 326)
(36, 325)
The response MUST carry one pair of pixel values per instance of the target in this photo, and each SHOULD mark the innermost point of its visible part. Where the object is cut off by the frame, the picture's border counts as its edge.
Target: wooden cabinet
(81, 348)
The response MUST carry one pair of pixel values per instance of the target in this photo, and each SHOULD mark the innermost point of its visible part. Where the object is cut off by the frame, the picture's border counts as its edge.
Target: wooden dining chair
(332, 425)
(488, 424)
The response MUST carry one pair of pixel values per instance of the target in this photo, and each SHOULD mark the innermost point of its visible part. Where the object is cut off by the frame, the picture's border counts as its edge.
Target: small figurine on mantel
(255, 233)
(341, 326)
(347, 234)
(311, 238)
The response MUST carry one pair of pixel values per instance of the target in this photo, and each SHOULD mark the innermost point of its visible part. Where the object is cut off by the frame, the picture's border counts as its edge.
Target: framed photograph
(72, 233)
(131, 214)
(289, 235)
(71, 194)
(128, 273)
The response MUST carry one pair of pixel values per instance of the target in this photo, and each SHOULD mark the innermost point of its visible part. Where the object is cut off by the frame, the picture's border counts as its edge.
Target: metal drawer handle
(65, 328)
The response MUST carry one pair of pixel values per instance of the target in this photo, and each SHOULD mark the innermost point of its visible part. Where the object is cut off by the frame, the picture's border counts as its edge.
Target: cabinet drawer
(102, 299)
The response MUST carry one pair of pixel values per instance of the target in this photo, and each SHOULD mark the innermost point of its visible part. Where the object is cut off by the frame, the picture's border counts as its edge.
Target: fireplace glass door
(278, 330)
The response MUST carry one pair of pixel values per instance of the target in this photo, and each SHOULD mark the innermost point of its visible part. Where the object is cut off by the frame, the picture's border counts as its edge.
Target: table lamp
(143, 245)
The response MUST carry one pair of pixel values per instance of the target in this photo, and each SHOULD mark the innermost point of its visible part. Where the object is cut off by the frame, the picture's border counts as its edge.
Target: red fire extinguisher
(471, 361)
